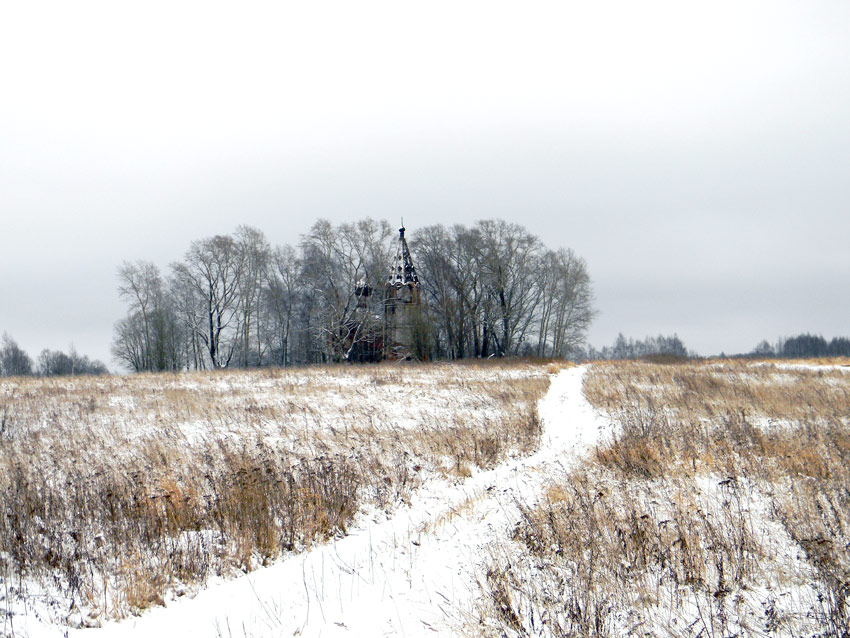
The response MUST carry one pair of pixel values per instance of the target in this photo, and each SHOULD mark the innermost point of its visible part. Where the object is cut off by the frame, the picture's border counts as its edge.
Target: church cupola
(403, 271)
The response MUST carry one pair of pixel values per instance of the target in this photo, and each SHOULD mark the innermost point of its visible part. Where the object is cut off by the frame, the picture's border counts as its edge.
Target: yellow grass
(682, 520)
(117, 489)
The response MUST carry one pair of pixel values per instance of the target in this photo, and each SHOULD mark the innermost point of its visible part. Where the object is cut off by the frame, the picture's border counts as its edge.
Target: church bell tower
(402, 308)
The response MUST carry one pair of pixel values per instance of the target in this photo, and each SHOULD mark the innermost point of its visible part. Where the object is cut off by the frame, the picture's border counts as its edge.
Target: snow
(809, 367)
(417, 571)
(412, 574)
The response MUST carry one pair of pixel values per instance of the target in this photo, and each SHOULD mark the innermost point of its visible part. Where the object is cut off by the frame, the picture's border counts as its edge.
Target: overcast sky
(697, 155)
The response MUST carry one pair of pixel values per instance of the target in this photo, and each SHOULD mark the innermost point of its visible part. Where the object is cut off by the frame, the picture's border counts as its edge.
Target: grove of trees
(492, 289)
(15, 362)
(623, 348)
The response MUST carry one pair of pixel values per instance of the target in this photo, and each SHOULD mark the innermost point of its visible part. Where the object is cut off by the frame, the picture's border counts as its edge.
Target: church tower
(402, 306)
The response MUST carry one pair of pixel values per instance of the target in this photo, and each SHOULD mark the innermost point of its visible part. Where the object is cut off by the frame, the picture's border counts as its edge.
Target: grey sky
(696, 156)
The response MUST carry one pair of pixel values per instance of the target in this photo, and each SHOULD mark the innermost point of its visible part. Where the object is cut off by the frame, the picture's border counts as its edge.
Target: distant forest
(799, 347)
(492, 289)
(623, 348)
(16, 362)
(803, 346)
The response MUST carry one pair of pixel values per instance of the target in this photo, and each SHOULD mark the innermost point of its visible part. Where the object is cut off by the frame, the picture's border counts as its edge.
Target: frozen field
(122, 494)
(618, 499)
(718, 507)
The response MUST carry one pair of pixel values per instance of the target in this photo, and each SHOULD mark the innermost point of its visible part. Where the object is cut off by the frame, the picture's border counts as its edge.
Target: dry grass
(115, 491)
(720, 508)
(732, 419)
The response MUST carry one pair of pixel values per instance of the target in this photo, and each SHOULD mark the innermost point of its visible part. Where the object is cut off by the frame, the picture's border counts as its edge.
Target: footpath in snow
(412, 575)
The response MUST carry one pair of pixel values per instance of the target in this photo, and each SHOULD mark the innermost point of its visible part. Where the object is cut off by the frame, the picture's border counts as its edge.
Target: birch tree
(150, 337)
(565, 309)
(253, 252)
(211, 275)
(281, 296)
(510, 262)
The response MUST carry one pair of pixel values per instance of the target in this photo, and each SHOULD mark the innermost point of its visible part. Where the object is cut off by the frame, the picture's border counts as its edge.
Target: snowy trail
(412, 575)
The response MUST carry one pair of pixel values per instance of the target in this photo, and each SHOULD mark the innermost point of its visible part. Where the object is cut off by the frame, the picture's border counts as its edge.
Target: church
(398, 333)
(403, 321)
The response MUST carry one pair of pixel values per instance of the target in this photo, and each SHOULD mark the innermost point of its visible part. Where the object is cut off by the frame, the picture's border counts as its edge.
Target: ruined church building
(400, 335)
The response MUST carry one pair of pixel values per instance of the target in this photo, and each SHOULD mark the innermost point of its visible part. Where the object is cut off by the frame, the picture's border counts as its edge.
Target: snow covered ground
(413, 574)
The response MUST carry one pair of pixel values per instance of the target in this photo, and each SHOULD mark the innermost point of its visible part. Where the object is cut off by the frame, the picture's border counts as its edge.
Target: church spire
(402, 318)
(403, 272)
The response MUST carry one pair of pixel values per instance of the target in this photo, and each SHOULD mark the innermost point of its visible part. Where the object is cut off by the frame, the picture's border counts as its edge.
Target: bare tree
(493, 287)
(150, 337)
(452, 283)
(254, 252)
(441, 307)
(140, 284)
(14, 361)
(468, 282)
(211, 273)
(509, 260)
(188, 305)
(129, 344)
(340, 268)
(565, 309)
(281, 297)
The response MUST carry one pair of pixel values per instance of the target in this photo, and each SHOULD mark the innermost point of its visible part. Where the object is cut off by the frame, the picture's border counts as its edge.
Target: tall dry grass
(720, 508)
(118, 491)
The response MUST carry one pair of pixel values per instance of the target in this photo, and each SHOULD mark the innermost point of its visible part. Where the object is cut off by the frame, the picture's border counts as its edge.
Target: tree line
(797, 347)
(802, 346)
(492, 289)
(623, 348)
(16, 362)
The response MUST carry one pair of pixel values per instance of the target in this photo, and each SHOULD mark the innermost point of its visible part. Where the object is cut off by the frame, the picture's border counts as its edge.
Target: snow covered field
(412, 573)
(719, 507)
(147, 490)
(674, 507)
